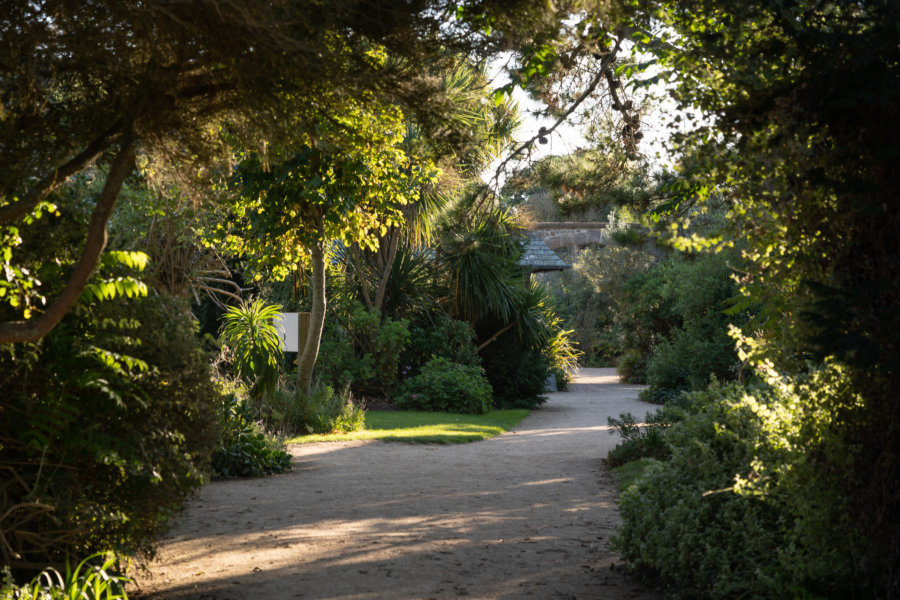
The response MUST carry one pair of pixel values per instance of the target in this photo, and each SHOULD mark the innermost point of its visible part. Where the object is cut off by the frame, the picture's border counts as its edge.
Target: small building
(537, 257)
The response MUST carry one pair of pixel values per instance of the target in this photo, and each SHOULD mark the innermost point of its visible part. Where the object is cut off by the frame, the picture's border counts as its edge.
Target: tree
(344, 180)
(481, 128)
(801, 99)
(158, 83)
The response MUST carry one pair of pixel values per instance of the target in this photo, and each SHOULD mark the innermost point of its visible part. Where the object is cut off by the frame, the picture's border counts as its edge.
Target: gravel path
(527, 514)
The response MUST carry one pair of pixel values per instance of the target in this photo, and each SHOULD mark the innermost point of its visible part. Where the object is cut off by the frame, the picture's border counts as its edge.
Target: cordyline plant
(250, 334)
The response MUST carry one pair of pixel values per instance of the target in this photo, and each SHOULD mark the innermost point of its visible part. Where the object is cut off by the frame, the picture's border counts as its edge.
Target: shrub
(439, 336)
(751, 503)
(254, 346)
(683, 523)
(120, 400)
(364, 352)
(560, 353)
(245, 448)
(642, 440)
(518, 375)
(700, 289)
(443, 386)
(688, 362)
(632, 366)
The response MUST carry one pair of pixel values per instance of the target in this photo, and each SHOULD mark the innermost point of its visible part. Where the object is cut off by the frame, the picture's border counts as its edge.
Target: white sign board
(288, 325)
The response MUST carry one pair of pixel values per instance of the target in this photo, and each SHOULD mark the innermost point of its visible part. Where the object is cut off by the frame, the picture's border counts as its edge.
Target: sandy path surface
(527, 514)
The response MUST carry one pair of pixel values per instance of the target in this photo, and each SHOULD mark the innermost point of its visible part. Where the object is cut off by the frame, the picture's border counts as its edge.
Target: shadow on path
(527, 514)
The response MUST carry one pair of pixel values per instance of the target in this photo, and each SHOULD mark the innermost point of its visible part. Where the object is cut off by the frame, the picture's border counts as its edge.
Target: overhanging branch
(34, 329)
(49, 183)
(605, 64)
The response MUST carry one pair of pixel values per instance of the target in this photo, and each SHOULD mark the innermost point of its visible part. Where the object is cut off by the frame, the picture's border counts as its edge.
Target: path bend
(527, 514)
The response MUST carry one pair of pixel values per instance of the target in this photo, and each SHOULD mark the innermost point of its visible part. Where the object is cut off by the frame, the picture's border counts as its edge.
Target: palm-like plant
(469, 137)
(250, 334)
(480, 255)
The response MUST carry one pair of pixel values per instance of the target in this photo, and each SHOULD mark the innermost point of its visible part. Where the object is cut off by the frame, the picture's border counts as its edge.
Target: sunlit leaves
(254, 344)
(132, 260)
(116, 287)
(348, 180)
(20, 287)
(120, 363)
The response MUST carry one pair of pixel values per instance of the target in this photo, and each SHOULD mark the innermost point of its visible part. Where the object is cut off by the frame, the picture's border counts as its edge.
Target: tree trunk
(386, 269)
(310, 350)
(34, 329)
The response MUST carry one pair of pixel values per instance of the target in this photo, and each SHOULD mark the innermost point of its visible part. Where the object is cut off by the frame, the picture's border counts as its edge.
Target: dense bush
(245, 449)
(643, 440)
(362, 350)
(439, 336)
(632, 366)
(517, 374)
(750, 503)
(699, 291)
(444, 386)
(106, 426)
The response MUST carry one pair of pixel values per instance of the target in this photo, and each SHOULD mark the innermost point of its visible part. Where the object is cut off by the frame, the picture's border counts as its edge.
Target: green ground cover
(425, 427)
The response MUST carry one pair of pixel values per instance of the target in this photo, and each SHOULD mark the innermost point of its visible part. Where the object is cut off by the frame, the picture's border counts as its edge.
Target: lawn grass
(425, 427)
(630, 472)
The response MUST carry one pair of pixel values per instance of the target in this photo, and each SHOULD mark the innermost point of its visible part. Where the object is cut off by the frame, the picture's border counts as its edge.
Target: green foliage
(93, 578)
(445, 386)
(682, 522)
(120, 399)
(517, 374)
(480, 253)
(582, 186)
(362, 350)
(751, 503)
(245, 448)
(322, 411)
(346, 182)
(249, 333)
(439, 336)
(642, 440)
(632, 366)
(630, 472)
(797, 100)
(560, 353)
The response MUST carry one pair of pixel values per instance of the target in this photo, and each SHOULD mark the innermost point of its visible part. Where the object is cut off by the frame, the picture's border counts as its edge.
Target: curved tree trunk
(310, 352)
(34, 329)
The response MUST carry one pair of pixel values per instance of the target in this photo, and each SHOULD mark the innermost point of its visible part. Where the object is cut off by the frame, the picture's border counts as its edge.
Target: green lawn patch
(630, 472)
(425, 427)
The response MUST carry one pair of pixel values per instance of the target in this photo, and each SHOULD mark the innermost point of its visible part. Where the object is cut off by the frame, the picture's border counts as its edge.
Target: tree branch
(360, 273)
(605, 64)
(49, 183)
(494, 337)
(34, 329)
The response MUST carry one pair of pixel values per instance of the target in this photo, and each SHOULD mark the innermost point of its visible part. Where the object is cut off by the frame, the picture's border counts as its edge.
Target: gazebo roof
(537, 256)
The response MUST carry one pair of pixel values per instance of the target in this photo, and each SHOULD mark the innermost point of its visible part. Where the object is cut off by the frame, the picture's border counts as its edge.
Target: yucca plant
(250, 334)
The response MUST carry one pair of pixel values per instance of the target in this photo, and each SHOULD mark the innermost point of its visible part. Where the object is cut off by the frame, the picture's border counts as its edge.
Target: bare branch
(605, 64)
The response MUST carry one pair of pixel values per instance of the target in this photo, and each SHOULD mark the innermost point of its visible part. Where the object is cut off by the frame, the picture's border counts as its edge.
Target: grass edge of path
(419, 427)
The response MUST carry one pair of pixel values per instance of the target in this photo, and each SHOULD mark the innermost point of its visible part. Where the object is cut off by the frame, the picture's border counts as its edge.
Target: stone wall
(571, 235)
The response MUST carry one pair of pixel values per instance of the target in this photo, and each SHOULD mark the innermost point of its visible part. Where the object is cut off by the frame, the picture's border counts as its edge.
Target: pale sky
(568, 138)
